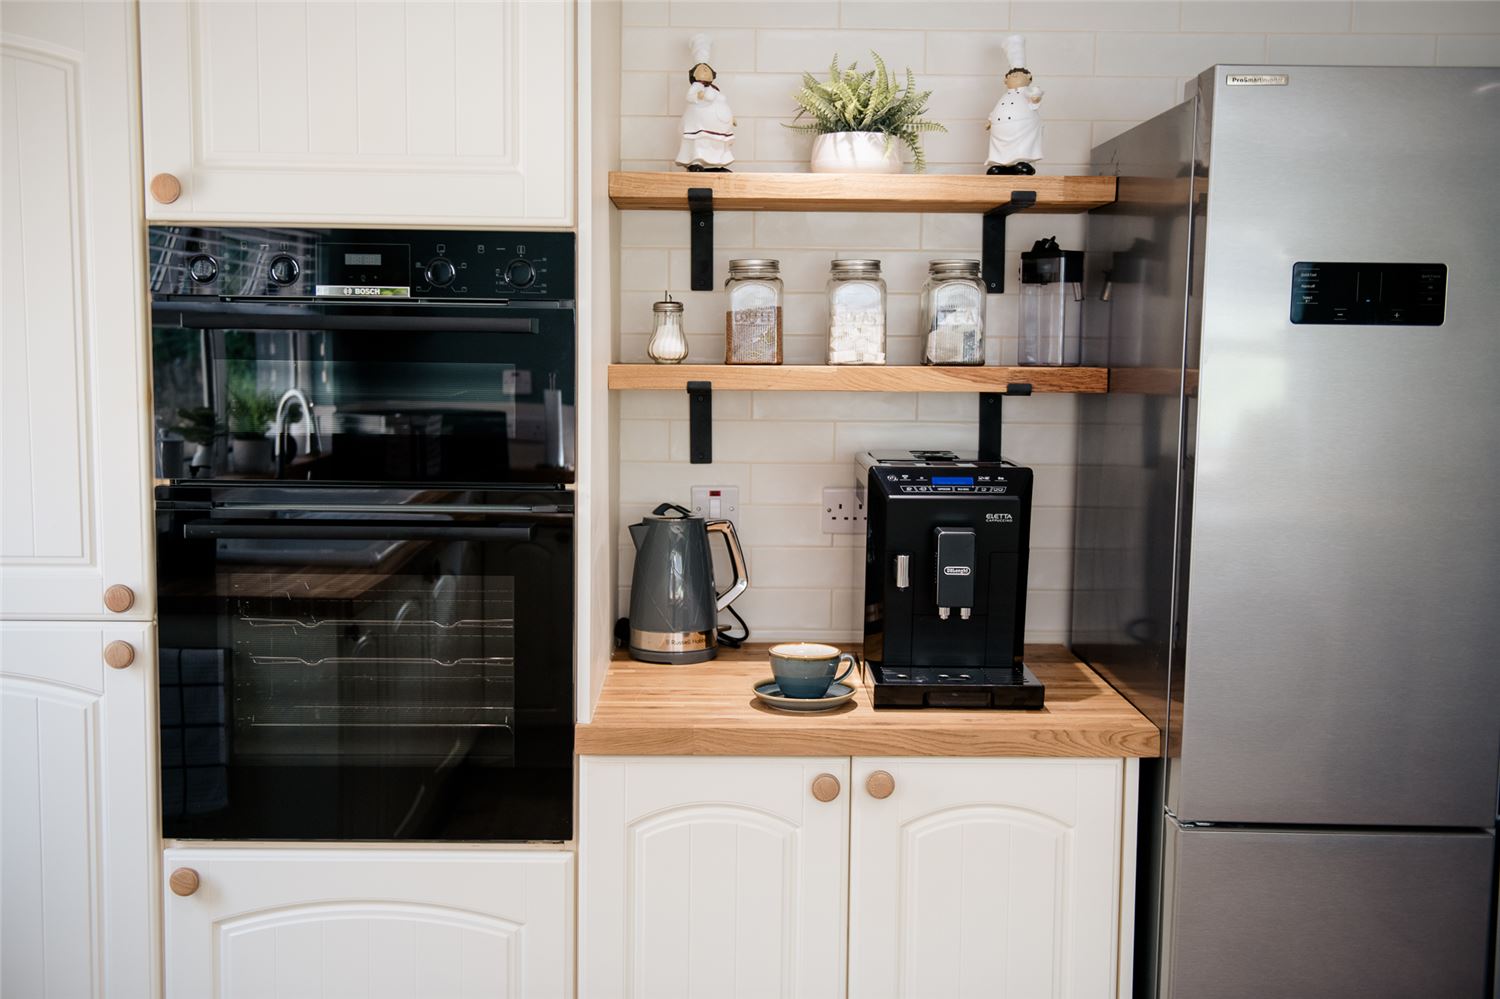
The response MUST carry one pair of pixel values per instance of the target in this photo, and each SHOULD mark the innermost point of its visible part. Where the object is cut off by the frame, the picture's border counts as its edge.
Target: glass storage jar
(856, 313)
(953, 313)
(668, 342)
(1051, 304)
(752, 320)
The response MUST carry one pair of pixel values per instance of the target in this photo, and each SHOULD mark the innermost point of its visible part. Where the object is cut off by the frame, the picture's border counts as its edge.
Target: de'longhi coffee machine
(945, 580)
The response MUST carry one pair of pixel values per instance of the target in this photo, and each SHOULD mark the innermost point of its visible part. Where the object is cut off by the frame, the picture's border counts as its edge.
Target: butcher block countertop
(710, 710)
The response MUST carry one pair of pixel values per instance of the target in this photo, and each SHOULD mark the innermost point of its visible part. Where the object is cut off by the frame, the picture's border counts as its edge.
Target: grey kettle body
(674, 606)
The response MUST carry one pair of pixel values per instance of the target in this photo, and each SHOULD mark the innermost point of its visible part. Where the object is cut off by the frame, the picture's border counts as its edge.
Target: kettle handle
(736, 561)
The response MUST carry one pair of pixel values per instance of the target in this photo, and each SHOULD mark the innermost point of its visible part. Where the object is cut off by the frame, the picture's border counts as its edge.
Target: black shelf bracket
(701, 219)
(990, 421)
(700, 422)
(992, 254)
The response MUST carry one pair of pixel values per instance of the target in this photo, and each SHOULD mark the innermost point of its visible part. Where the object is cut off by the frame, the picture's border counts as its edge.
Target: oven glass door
(340, 670)
(369, 393)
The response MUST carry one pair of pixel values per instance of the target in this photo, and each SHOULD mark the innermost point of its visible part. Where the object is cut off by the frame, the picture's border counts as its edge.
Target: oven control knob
(440, 273)
(520, 274)
(202, 268)
(284, 269)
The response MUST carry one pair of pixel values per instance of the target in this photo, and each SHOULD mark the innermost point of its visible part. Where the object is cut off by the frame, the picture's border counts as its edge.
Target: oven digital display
(363, 270)
(361, 260)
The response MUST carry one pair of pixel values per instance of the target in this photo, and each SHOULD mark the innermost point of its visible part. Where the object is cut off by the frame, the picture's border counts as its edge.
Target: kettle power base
(955, 687)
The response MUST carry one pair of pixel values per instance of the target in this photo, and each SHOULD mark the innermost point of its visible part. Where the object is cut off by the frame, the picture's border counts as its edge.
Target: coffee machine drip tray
(955, 687)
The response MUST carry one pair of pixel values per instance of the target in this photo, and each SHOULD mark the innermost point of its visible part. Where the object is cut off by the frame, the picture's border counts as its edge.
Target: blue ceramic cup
(806, 669)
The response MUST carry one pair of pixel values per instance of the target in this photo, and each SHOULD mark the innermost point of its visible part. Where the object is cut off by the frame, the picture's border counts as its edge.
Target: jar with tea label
(953, 313)
(752, 319)
(856, 313)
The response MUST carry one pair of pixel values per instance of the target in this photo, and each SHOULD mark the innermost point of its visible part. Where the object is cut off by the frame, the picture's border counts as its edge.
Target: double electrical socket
(843, 513)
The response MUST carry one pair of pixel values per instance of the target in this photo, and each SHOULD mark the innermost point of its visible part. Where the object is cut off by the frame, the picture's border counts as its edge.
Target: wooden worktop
(710, 710)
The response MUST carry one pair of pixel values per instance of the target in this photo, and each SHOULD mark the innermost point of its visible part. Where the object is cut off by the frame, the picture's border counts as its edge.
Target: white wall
(1104, 66)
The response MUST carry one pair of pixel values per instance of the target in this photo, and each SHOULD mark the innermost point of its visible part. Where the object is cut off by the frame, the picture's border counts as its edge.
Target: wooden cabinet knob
(165, 188)
(119, 654)
(184, 881)
(880, 784)
(825, 787)
(119, 598)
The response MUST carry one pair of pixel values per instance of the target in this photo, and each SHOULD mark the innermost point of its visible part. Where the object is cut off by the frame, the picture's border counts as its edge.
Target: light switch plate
(716, 502)
(843, 513)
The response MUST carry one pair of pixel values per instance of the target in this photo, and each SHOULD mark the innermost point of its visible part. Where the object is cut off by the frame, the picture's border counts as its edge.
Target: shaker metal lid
(666, 305)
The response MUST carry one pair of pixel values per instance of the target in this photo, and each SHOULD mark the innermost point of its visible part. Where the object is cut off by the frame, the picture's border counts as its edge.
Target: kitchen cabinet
(729, 876)
(254, 923)
(361, 112)
(712, 877)
(78, 783)
(74, 425)
(986, 877)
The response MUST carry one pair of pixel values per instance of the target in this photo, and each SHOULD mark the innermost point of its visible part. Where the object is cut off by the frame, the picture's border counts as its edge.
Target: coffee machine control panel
(923, 481)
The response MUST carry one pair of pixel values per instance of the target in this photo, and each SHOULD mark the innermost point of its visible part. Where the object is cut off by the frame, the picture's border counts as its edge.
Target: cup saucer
(769, 693)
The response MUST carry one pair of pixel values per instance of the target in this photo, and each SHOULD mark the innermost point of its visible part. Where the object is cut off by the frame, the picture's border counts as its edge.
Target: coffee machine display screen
(952, 480)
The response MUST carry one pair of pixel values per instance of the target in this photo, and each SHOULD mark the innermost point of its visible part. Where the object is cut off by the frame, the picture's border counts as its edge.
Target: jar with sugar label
(856, 313)
(752, 319)
(953, 313)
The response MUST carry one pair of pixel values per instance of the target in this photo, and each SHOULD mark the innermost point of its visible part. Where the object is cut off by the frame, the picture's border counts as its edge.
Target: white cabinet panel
(987, 878)
(408, 924)
(73, 411)
(423, 112)
(77, 813)
(711, 877)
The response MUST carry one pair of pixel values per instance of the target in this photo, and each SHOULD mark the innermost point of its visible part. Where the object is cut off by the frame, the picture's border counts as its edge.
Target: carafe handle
(736, 561)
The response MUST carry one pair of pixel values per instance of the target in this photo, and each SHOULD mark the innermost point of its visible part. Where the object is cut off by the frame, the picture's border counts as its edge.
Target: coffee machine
(946, 548)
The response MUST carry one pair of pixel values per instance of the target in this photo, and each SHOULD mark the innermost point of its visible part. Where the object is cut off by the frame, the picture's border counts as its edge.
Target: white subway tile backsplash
(1445, 16)
(1351, 50)
(1308, 16)
(1104, 67)
(811, 51)
(1131, 54)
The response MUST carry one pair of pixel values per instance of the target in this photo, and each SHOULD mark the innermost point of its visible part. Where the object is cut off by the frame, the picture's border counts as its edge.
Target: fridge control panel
(1326, 293)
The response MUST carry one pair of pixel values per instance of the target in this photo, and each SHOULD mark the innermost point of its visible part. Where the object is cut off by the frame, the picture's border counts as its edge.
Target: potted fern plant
(859, 118)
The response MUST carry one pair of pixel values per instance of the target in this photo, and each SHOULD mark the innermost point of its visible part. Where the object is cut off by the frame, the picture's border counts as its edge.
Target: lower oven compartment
(414, 684)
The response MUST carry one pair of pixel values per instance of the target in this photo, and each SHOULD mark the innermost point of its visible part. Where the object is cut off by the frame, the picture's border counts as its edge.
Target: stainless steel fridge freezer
(1287, 547)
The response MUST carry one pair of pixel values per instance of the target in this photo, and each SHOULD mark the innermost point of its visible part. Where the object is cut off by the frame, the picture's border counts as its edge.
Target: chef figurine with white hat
(707, 122)
(1015, 124)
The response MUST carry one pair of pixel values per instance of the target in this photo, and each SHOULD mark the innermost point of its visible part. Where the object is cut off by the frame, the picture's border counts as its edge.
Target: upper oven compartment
(340, 372)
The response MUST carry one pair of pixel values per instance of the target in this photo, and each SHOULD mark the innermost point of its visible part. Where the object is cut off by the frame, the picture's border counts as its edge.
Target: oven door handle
(210, 529)
(190, 317)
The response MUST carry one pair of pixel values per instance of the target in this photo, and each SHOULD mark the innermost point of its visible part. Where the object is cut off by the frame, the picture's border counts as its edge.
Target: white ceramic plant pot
(856, 152)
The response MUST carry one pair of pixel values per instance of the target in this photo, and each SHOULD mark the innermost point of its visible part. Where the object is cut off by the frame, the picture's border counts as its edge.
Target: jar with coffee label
(856, 313)
(953, 313)
(752, 319)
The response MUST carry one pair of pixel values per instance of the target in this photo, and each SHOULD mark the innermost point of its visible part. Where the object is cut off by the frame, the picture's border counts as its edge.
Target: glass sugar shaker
(752, 319)
(668, 342)
(856, 313)
(952, 313)
(1051, 304)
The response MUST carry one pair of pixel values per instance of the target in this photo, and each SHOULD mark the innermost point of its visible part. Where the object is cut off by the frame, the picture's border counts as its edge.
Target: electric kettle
(674, 606)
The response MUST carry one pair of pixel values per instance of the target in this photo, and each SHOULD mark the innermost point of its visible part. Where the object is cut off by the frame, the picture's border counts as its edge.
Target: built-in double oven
(364, 516)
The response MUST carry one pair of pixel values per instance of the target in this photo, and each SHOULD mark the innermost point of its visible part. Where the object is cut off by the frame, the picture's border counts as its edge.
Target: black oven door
(400, 392)
(342, 664)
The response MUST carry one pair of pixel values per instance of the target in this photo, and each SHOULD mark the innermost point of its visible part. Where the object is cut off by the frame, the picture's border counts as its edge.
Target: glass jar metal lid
(953, 268)
(754, 267)
(856, 268)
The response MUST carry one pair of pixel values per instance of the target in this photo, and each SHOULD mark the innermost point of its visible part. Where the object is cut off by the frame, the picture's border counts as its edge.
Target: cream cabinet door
(78, 847)
(74, 417)
(373, 924)
(713, 876)
(986, 878)
(370, 111)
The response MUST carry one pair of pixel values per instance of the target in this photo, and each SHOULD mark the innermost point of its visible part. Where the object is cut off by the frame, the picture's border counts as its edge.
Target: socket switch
(843, 513)
(716, 502)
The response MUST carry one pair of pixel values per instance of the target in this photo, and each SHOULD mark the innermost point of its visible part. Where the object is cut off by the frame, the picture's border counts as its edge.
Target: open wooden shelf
(825, 192)
(854, 378)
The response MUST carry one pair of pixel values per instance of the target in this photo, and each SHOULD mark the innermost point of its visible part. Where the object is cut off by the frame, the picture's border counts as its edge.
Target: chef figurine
(1015, 124)
(707, 122)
